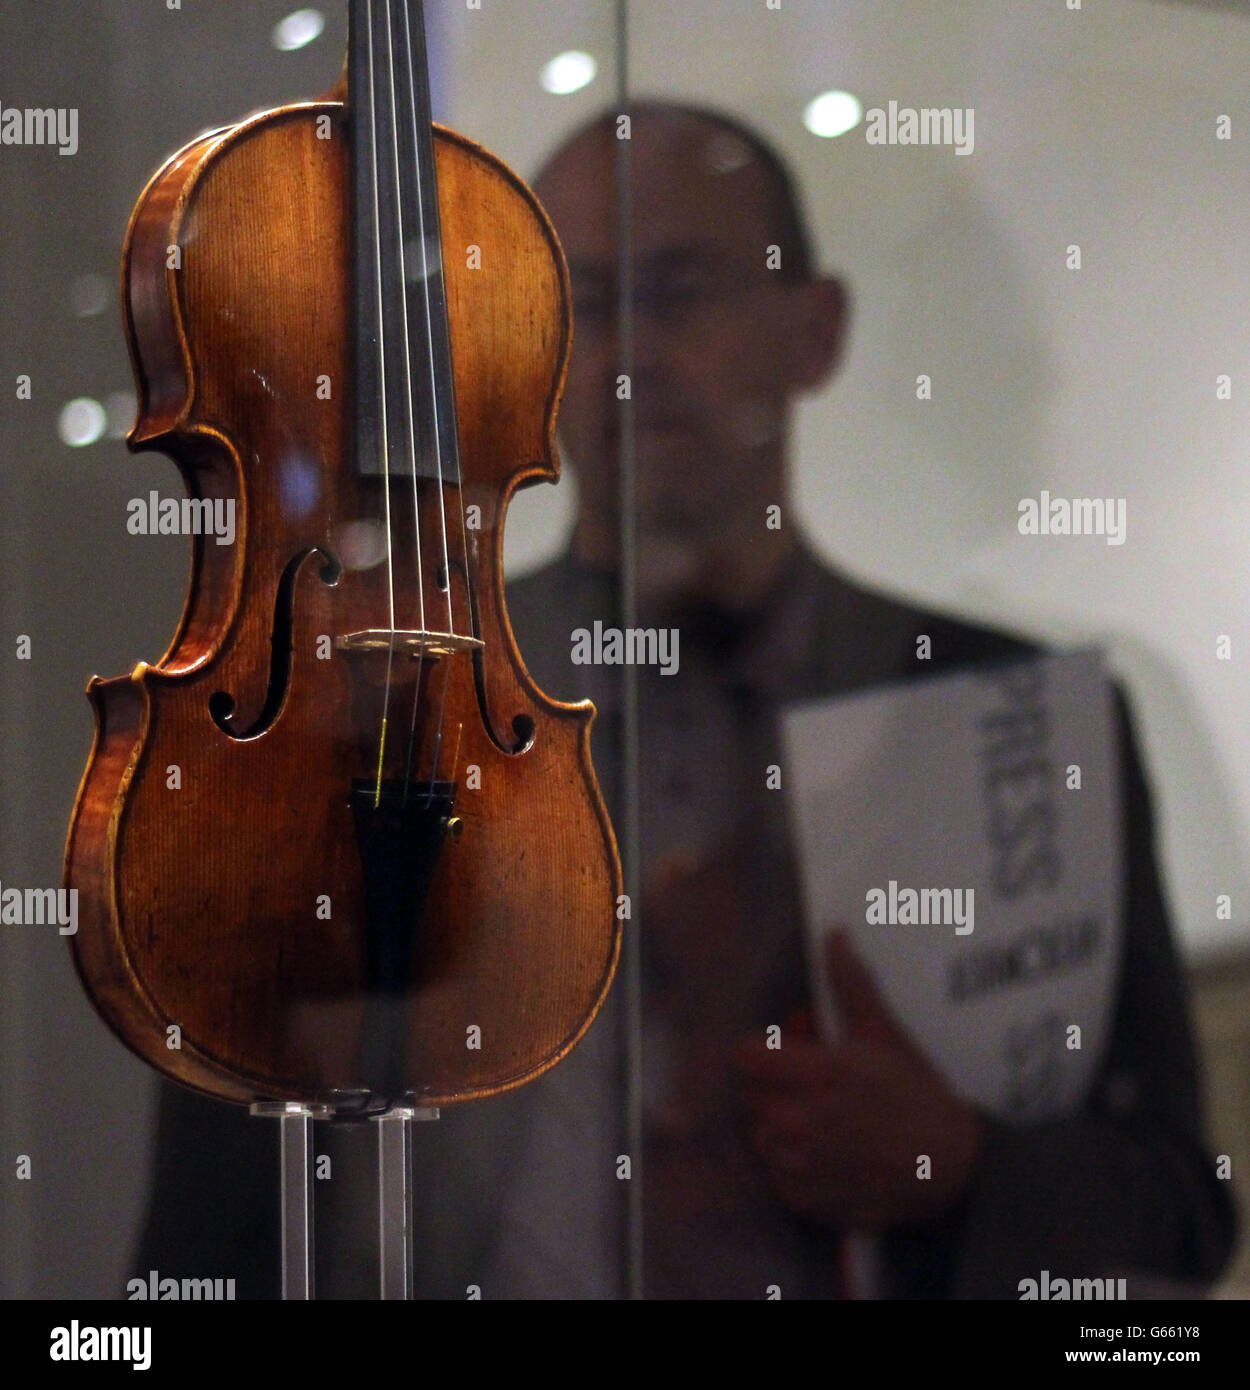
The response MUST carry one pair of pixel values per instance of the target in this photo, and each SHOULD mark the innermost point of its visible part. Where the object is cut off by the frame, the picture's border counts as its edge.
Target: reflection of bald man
(754, 1161)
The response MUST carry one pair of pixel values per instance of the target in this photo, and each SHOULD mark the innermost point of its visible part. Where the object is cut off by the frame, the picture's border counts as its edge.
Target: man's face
(713, 349)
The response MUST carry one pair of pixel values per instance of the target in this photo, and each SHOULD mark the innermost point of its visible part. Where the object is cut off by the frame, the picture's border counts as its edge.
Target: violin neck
(405, 397)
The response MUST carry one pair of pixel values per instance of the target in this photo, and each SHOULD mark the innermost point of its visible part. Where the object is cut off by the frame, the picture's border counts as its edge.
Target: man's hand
(841, 1128)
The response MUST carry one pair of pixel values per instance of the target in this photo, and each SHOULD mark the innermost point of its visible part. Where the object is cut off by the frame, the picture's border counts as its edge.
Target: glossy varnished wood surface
(199, 906)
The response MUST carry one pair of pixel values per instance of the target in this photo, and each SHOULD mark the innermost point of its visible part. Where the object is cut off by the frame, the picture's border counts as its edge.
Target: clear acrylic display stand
(395, 1197)
(295, 1119)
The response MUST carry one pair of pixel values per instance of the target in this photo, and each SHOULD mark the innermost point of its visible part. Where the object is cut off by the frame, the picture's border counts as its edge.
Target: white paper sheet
(967, 783)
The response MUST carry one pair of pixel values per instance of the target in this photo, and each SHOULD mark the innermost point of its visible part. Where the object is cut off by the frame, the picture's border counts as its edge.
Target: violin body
(258, 919)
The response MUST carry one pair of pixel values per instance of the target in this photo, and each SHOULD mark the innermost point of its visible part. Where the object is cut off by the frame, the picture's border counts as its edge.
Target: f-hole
(221, 704)
(522, 724)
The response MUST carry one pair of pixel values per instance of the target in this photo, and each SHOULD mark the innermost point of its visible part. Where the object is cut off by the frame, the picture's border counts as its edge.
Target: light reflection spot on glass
(298, 486)
(298, 30)
(568, 72)
(360, 545)
(419, 265)
(90, 295)
(82, 422)
(725, 153)
(120, 407)
(832, 114)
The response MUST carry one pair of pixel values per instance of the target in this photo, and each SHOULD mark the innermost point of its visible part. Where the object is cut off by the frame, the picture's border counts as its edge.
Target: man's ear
(822, 312)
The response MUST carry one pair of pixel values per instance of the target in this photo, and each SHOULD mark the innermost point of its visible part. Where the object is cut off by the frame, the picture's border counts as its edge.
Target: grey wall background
(1095, 127)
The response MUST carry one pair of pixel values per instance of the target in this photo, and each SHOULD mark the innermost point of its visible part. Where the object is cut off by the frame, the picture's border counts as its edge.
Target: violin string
(455, 753)
(427, 114)
(455, 432)
(426, 248)
(411, 408)
(386, 438)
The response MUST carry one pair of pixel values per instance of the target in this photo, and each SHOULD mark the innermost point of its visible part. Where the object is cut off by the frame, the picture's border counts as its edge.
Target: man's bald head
(702, 143)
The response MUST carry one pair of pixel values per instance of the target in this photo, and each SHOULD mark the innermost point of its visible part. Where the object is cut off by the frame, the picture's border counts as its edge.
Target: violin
(335, 846)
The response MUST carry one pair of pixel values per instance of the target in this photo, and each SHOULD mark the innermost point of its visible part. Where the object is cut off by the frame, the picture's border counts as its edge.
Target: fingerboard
(404, 388)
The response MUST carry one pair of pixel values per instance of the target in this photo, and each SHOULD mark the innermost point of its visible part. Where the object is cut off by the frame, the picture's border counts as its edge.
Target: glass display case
(898, 543)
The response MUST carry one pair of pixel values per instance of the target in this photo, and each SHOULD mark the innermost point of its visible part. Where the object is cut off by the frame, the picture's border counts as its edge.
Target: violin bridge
(416, 645)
